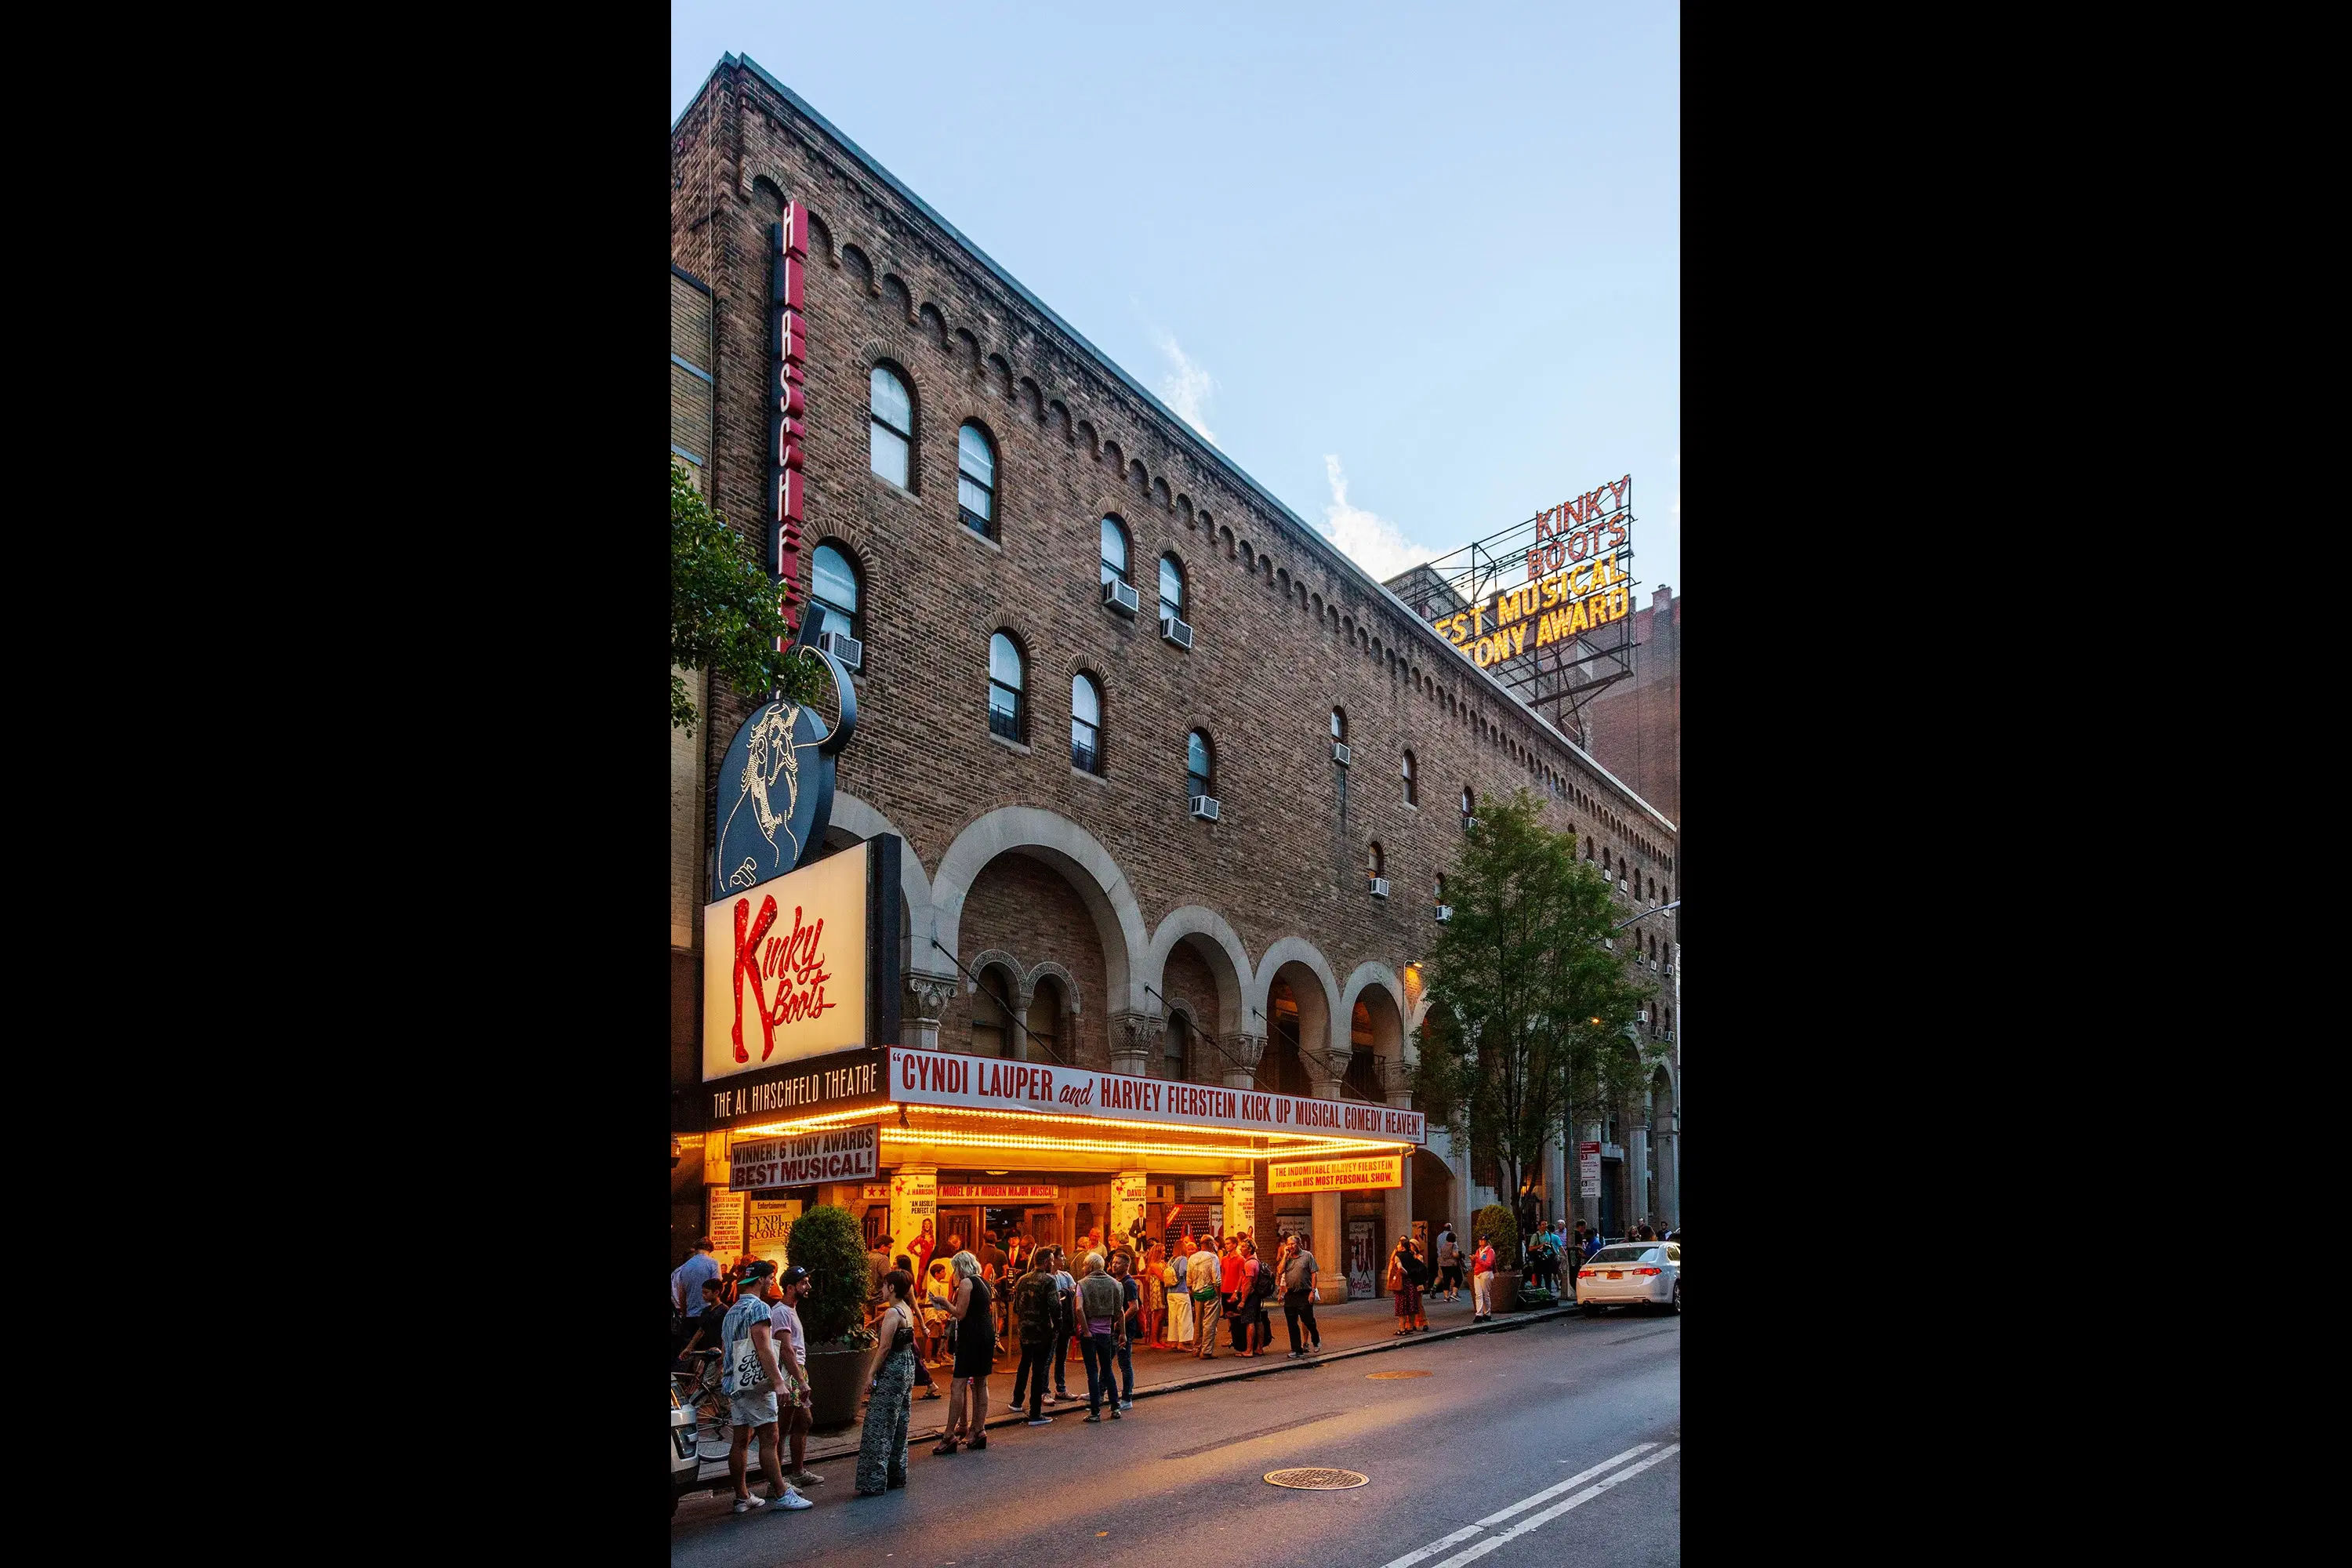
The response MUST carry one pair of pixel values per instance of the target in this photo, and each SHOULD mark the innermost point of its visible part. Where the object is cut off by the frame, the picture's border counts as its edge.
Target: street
(1555, 1442)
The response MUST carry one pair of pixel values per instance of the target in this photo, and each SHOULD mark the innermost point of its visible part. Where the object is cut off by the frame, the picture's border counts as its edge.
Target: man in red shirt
(1233, 1280)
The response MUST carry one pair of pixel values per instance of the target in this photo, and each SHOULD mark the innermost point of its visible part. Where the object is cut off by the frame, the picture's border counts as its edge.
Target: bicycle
(699, 1391)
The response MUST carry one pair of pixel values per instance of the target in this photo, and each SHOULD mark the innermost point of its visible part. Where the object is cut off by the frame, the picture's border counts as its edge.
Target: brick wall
(1281, 633)
(1637, 727)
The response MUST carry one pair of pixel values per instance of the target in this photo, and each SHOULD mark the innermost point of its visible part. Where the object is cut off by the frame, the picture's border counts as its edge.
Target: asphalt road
(1504, 1419)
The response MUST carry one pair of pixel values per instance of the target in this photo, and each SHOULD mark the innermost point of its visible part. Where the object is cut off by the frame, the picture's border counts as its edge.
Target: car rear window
(1626, 1255)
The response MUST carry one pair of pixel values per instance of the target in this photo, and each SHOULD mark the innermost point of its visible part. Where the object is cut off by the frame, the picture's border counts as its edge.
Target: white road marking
(1467, 1531)
(1556, 1509)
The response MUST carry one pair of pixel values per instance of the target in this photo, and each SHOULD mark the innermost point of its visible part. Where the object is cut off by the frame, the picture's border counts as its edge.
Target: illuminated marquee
(1348, 1173)
(1579, 579)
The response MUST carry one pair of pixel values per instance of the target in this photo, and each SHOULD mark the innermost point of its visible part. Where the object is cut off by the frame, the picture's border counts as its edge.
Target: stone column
(1665, 1147)
(1637, 1176)
(927, 998)
(1242, 1053)
(1132, 1037)
(1330, 1248)
(1328, 1085)
(1555, 1181)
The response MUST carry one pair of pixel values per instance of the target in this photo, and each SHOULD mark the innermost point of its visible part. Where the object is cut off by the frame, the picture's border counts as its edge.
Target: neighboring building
(975, 472)
(1636, 726)
(692, 406)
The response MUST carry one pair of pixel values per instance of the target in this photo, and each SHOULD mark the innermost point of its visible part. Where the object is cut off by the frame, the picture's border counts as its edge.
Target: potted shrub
(829, 1243)
(1496, 1223)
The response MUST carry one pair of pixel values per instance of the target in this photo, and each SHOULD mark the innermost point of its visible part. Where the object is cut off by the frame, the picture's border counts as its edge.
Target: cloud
(1371, 542)
(1186, 386)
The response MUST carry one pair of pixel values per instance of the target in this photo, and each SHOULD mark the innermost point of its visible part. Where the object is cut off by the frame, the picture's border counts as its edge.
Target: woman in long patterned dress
(882, 1449)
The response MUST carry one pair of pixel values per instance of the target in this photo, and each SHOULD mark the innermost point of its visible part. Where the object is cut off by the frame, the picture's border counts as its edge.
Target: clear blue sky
(1417, 270)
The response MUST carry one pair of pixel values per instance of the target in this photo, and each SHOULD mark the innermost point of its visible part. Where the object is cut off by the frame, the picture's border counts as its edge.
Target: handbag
(745, 1376)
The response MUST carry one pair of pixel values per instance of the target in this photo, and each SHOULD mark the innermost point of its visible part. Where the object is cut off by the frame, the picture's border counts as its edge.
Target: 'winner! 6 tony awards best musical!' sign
(846, 1154)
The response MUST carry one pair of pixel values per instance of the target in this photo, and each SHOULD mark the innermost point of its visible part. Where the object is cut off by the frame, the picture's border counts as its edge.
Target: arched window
(1441, 887)
(1469, 802)
(1114, 550)
(1044, 1042)
(1411, 792)
(1006, 714)
(833, 583)
(991, 1024)
(1172, 588)
(1338, 723)
(1199, 774)
(891, 427)
(1085, 725)
(1173, 1046)
(976, 480)
(1375, 862)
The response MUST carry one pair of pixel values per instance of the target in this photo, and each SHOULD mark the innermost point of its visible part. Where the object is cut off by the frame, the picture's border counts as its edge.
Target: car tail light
(1649, 1271)
(1585, 1273)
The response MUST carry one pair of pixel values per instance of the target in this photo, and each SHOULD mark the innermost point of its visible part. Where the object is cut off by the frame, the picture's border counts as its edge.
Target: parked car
(1633, 1274)
(684, 1464)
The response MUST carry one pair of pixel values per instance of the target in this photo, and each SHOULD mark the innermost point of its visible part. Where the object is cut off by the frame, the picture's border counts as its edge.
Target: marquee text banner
(988, 1083)
(1345, 1172)
(848, 1154)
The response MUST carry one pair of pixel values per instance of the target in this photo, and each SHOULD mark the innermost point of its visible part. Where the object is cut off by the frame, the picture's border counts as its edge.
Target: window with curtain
(1114, 550)
(833, 583)
(891, 436)
(1198, 774)
(1085, 725)
(1172, 588)
(1411, 796)
(1374, 861)
(976, 480)
(1005, 717)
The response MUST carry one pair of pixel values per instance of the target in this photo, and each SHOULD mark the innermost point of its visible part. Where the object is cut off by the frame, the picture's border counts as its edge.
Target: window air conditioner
(1468, 823)
(1641, 1014)
(1339, 753)
(1176, 631)
(1121, 597)
(844, 647)
(1204, 806)
(1380, 887)
(1444, 911)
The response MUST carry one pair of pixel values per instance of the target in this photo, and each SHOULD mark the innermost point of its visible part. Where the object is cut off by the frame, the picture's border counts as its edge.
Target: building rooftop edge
(1311, 535)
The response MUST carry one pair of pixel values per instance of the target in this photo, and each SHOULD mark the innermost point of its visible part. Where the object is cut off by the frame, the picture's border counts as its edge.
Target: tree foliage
(830, 1244)
(723, 615)
(1529, 1027)
(1501, 1227)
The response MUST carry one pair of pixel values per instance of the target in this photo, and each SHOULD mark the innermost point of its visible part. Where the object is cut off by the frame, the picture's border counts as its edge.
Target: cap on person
(757, 1269)
(792, 1277)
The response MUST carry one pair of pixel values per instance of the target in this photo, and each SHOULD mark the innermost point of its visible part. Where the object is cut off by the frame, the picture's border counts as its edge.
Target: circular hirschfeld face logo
(775, 797)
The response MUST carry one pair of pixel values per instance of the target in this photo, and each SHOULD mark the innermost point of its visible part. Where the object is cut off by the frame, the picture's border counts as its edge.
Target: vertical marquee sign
(787, 406)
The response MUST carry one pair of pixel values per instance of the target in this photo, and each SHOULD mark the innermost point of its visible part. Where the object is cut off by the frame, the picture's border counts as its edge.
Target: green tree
(723, 615)
(830, 1244)
(1530, 1015)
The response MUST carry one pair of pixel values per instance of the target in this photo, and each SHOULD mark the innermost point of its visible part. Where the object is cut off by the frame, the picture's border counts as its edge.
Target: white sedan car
(1633, 1274)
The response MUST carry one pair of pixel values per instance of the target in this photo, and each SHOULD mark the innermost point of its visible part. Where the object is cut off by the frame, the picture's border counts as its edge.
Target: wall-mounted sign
(1241, 1205)
(1363, 1280)
(1589, 1168)
(1345, 1172)
(988, 1083)
(999, 1192)
(846, 1080)
(788, 405)
(726, 1226)
(915, 1220)
(768, 1229)
(844, 1154)
(801, 965)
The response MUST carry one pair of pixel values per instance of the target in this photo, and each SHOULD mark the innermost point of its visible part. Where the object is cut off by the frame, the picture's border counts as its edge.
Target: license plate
(1616, 1274)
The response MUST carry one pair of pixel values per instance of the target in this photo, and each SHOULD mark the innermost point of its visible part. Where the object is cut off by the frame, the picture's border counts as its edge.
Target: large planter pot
(836, 1384)
(1506, 1289)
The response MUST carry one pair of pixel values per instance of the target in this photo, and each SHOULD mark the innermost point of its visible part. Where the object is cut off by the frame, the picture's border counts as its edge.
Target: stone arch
(1057, 417)
(1138, 478)
(1112, 454)
(861, 821)
(1033, 400)
(1206, 933)
(987, 957)
(898, 298)
(1065, 847)
(1000, 376)
(1295, 961)
(860, 270)
(1225, 542)
(935, 326)
(1289, 950)
(1160, 494)
(1376, 986)
(1046, 969)
(768, 197)
(821, 241)
(1089, 440)
(966, 350)
(1202, 519)
(1184, 507)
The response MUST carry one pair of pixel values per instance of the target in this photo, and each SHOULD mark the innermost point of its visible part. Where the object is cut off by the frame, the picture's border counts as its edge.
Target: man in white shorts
(750, 1378)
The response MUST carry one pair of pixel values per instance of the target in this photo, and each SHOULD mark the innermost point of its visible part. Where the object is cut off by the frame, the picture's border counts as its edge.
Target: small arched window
(1469, 802)
(1006, 715)
(833, 583)
(1411, 791)
(990, 1023)
(1200, 765)
(891, 427)
(1441, 887)
(1338, 723)
(1173, 1054)
(1085, 725)
(976, 480)
(1172, 588)
(1114, 550)
(1042, 1041)
(1375, 862)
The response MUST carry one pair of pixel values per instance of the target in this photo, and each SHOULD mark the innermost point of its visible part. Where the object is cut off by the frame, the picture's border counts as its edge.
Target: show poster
(914, 1221)
(1241, 1205)
(726, 1227)
(1362, 1281)
(1127, 1196)
(768, 1229)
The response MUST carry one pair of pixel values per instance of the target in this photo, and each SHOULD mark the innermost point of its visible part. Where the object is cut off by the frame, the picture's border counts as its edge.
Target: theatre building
(1151, 794)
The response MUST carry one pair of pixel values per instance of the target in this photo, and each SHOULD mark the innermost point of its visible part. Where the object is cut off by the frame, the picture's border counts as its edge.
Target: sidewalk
(1350, 1329)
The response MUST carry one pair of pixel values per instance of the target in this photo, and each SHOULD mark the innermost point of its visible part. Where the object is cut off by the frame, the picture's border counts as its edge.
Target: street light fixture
(1646, 915)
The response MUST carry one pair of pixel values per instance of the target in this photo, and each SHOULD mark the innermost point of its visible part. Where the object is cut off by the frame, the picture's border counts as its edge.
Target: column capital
(929, 992)
(1242, 1053)
(1132, 1036)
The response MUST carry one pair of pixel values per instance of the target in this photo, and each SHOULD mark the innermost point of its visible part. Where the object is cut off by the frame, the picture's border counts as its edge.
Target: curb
(1503, 1324)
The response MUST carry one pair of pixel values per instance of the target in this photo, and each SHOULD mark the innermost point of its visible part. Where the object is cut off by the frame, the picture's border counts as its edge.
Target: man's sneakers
(791, 1499)
(1092, 1417)
(746, 1504)
(1114, 1412)
(1039, 1421)
(803, 1479)
(1126, 1404)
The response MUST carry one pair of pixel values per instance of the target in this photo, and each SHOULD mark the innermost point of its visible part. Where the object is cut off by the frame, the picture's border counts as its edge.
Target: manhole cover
(1385, 1375)
(1315, 1480)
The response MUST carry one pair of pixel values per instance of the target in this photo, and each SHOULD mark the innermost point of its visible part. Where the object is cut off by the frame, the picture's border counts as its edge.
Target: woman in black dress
(974, 1332)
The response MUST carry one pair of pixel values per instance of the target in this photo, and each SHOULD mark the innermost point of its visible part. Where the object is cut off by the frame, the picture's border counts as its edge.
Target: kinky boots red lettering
(796, 964)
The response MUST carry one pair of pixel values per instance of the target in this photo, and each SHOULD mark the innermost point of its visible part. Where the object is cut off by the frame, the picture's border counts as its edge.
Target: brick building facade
(1118, 928)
